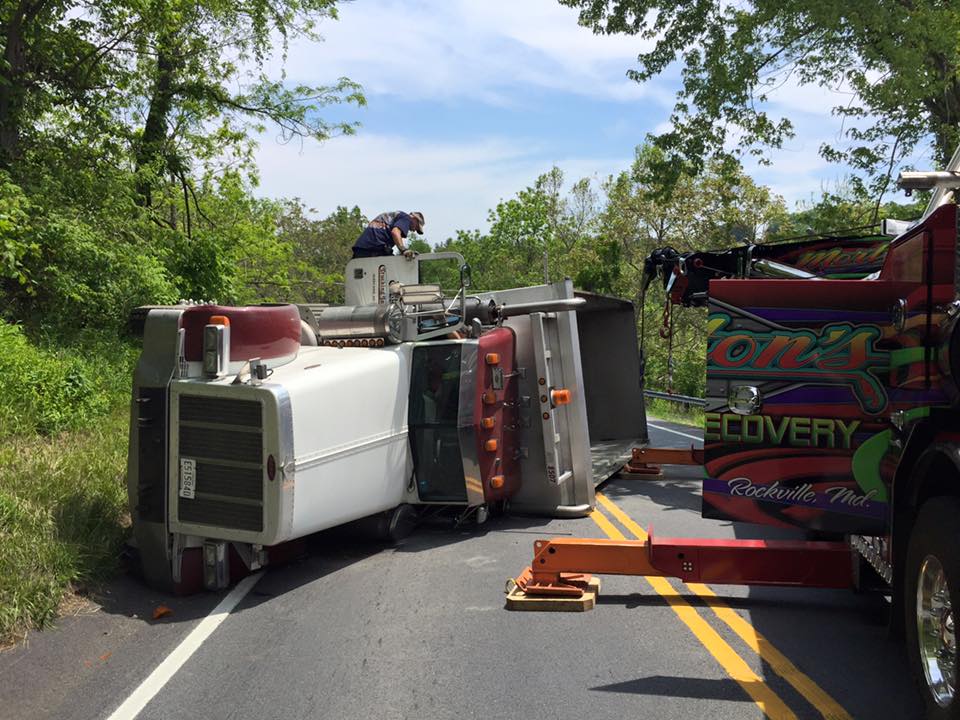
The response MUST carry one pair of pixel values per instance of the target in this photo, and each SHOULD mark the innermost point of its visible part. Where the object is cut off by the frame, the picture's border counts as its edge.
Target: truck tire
(932, 589)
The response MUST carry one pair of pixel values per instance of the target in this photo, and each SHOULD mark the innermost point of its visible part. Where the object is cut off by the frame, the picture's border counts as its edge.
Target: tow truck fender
(929, 443)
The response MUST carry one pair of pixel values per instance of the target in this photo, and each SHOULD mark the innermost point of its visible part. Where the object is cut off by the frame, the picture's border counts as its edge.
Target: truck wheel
(932, 587)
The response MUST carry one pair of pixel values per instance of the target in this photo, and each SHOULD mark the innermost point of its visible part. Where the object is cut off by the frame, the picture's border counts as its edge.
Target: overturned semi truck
(255, 426)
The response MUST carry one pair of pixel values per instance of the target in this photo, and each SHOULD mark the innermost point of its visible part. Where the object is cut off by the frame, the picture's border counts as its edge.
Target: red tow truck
(832, 406)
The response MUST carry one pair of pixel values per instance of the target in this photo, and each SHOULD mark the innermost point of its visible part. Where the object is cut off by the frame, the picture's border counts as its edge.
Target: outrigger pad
(517, 599)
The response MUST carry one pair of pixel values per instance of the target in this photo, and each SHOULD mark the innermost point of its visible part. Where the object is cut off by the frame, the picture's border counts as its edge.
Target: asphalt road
(359, 630)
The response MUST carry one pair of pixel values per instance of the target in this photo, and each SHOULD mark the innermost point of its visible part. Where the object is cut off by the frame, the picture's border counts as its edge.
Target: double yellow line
(734, 665)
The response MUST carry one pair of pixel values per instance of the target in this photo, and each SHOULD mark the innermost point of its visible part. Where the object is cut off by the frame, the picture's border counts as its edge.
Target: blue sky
(470, 100)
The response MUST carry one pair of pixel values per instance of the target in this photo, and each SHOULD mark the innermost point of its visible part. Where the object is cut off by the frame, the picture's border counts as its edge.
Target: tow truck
(832, 395)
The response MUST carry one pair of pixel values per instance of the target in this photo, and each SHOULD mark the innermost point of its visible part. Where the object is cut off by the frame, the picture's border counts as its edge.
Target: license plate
(188, 478)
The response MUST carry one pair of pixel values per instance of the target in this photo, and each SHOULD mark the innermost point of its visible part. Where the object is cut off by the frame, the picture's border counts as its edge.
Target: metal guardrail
(681, 399)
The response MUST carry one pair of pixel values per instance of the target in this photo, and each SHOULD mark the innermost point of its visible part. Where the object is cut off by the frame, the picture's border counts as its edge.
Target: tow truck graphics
(846, 260)
(837, 354)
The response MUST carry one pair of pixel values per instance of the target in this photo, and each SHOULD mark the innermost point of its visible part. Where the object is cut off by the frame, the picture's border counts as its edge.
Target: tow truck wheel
(932, 591)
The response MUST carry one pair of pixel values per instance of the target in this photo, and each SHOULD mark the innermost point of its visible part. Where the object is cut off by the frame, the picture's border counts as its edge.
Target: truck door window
(432, 421)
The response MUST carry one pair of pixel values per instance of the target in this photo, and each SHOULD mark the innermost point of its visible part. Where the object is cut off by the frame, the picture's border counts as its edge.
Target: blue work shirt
(376, 236)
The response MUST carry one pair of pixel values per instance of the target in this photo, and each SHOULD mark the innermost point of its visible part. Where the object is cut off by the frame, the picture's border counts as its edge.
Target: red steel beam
(754, 562)
(647, 461)
(561, 566)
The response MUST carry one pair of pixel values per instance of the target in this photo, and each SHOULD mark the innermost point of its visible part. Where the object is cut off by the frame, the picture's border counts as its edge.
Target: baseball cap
(420, 221)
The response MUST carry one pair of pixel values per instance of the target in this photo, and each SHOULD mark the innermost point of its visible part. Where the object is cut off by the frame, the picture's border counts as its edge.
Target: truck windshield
(432, 420)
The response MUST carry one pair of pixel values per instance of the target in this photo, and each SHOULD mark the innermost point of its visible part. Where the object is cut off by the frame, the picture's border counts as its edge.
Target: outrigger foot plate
(585, 599)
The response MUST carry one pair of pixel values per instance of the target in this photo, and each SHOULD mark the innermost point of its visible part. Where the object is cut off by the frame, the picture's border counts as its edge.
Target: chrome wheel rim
(938, 644)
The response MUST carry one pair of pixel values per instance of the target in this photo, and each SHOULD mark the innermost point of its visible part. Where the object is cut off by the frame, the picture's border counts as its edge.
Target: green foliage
(540, 235)
(658, 409)
(46, 390)
(895, 65)
(843, 210)
(601, 273)
(70, 267)
(82, 280)
(15, 240)
(126, 139)
(66, 270)
(183, 83)
(322, 249)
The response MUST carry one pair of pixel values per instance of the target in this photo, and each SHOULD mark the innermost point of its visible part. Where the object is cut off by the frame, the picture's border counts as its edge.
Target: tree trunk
(948, 135)
(13, 81)
(945, 116)
(944, 109)
(151, 151)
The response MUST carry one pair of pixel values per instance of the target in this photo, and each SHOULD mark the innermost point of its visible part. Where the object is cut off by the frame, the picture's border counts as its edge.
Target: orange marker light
(488, 423)
(489, 397)
(560, 396)
(492, 358)
(490, 445)
(496, 482)
(219, 320)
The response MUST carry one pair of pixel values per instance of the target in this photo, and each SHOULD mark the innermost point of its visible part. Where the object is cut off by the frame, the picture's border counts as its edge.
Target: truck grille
(225, 438)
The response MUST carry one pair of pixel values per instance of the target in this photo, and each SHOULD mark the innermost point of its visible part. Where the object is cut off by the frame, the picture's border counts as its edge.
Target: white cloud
(462, 48)
(453, 183)
(499, 52)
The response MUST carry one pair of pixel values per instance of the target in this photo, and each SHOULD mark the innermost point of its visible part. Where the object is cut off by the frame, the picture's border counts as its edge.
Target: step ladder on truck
(832, 405)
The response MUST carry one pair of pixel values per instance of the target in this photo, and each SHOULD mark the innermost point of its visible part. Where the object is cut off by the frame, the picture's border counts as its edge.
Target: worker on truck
(386, 231)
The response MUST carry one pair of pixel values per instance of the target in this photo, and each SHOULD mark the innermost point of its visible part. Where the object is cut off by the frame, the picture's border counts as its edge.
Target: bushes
(15, 242)
(49, 390)
(81, 279)
(63, 269)
(689, 354)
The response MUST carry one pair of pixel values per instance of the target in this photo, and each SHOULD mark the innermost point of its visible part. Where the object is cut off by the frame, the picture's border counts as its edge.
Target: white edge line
(675, 432)
(139, 698)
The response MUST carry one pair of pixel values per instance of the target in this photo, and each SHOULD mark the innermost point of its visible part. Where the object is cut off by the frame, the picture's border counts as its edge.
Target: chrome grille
(225, 438)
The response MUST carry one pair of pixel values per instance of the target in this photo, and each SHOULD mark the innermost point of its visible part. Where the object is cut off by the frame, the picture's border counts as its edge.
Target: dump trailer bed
(609, 456)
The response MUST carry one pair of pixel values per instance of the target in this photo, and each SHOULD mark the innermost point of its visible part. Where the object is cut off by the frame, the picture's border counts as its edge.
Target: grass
(63, 518)
(674, 412)
(63, 446)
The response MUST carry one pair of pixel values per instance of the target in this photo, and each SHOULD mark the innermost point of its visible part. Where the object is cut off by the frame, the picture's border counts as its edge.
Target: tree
(539, 235)
(719, 208)
(321, 249)
(181, 81)
(126, 137)
(843, 212)
(897, 64)
(203, 61)
(56, 56)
